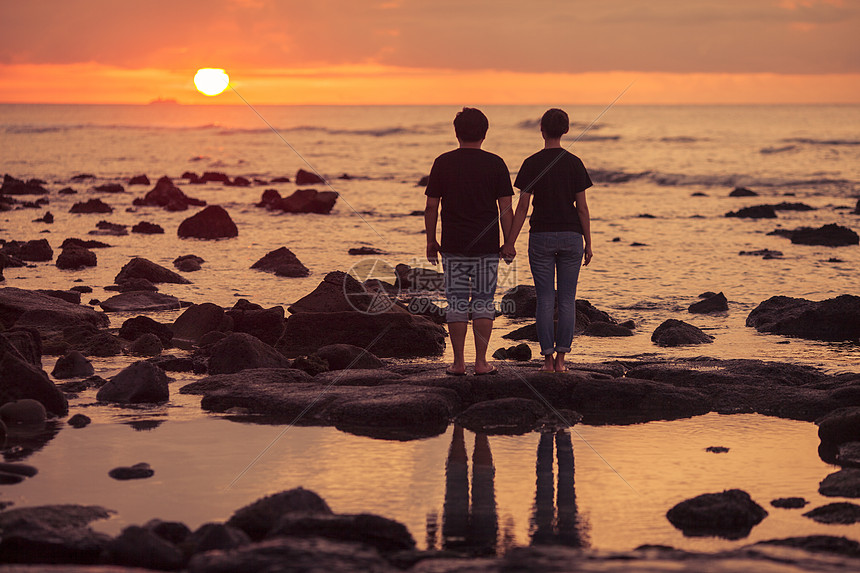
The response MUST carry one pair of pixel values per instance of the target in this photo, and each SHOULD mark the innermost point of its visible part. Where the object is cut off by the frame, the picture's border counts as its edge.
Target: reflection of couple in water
(473, 189)
(474, 526)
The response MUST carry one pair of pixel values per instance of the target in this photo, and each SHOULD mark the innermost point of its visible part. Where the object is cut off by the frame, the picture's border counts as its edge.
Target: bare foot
(456, 370)
(485, 368)
(548, 364)
(559, 363)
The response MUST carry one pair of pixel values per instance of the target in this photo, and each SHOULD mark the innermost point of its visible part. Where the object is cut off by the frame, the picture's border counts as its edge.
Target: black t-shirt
(469, 182)
(553, 192)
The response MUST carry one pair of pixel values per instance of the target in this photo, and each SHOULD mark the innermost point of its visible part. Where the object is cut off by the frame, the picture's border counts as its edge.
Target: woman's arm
(508, 250)
(585, 219)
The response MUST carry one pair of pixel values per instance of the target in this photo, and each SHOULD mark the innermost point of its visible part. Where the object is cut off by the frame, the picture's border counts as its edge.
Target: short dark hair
(471, 125)
(554, 123)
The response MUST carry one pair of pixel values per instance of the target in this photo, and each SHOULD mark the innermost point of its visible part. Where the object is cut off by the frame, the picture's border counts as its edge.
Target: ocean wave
(810, 141)
(783, 149)
(37, 129)
(684, 179)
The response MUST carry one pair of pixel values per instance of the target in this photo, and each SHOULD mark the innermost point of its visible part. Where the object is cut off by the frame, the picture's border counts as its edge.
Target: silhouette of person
(555, 519)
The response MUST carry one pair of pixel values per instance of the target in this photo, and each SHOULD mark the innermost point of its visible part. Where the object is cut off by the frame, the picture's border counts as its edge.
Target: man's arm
(508, 250)
(431, 216)
(585, 219)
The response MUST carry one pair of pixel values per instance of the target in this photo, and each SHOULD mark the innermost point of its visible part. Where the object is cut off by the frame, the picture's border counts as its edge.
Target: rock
(75, 258)
(71, 296)
(742, 192)
(607, 329)
(754, 212)
(137, 471)
(715, 303)
(379, 532)
(388, 334)
(259, 378)
(844, 513)
(283, 263)
(844, 483)
(240, 351)
(109, 188)
(416, 279)
(840, 426)
(365, 251)
(520, 302)
(23, 412)
(24, 343)
(147, 344)
(678, 333)
(210, 338)
(857, 208)
(789, 502)
(67, 191)
(47, 218)
(108, 228)
(52, 534)
(215, 176)
(138, 547)
(197, 320)
(270, 199)
(18, 469)
(166, 194)
(764, 253)
(91, 206)
(79, 421)
(72, 365)
(140, 301)
(266, 324)
(142, 268)
(337, 292)
(357, 377)
(188, 263)
(258, 518)
(213, 222)
(731, 514)
(347, 356)
(848, 454)
(216, 536)
(307, 178)
(135, 327)
(89, 244)
(139, 180)
(831, 235)
(141, 382)
(717, 449)
(44, 313)
(20, 381)
(102, 344)
(503, 416)
(146, 228)
(309, 201)
(239, 181)
(832, 319)
(170, 363)
(128, 285)
(312, 364)
(281, 180)
(520, 352)
(36, 250)
(785, 206)
(175, 532)
(13, 186)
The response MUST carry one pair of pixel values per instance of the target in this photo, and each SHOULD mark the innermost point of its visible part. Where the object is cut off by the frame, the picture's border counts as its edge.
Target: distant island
(164, 101)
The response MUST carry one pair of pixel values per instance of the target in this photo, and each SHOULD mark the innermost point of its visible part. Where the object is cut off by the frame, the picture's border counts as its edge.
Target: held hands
(508, 252)
(588, 254)
(433, 252)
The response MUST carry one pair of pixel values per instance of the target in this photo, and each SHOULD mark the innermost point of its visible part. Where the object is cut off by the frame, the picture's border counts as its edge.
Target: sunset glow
(211, 81)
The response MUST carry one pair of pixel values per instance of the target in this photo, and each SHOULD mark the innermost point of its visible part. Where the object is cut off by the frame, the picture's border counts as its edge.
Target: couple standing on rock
(474, 189)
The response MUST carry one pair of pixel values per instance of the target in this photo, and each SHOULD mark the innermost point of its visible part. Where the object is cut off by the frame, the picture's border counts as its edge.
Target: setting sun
(211, 81)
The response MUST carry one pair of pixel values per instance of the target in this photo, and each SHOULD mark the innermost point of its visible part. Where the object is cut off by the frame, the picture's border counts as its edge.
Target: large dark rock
(342, 356)
(91, 206)
(141, 382)
(71, 296)
(832, 319)
(840, 426)
(52, 534)
(831, 235)
(241, 351)
(37, 250)
(337, 292)
(72, 365)
(731, 514)
(139, 547)
(520, 302)
(844, 483)
(101, 344)
(188, 263)
(844, 513)
(147, 228)
(139, 180)
(213, 222)
(45, 313)
(258, 518)
(146, 345)
(266, 324)
(755, 212)
(742, 192)
(133, 328)
(197, 320)
(166, 194)
(379, 532)
(13, 186)
(21, 380)
(215, 536)
(388, 334)
(715, 303)
(137, 471)
(307, 178)
(140, 301)
(502, 416)
(88, 244)
(283, 263)
(678, 333)
(26, 342)
(249, 380)
(74, 258)
(145, 269)
(309, 201)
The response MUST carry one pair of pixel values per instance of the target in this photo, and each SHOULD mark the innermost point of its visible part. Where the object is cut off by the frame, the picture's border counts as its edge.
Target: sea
(662, 178)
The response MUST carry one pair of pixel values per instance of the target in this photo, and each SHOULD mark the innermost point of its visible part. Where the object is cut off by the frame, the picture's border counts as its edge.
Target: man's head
(554, 123)
(471, 125)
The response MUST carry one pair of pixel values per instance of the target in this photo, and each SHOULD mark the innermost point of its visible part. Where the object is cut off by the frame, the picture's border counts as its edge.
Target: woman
(557, 179)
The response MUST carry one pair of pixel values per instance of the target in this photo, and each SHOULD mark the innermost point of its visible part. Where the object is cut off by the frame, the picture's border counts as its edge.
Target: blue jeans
(551, 253)
(470, 286)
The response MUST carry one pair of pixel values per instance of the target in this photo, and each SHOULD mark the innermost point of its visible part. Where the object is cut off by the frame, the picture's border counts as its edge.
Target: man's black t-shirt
(469, 182)
(553, 192)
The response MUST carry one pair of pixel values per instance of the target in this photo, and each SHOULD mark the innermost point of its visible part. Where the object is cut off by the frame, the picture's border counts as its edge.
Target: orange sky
(433, 52)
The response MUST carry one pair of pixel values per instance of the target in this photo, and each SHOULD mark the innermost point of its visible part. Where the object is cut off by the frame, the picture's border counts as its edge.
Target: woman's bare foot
(558, 364)
(548, 364)
(456, 369)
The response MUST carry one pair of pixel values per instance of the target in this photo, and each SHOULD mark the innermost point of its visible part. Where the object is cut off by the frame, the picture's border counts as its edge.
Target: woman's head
(554, 123)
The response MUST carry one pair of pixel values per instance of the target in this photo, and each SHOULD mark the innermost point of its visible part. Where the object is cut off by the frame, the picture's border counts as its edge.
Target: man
(473, 187)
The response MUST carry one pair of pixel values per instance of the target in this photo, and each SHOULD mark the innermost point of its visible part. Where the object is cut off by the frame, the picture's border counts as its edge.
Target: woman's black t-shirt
(553, 176)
